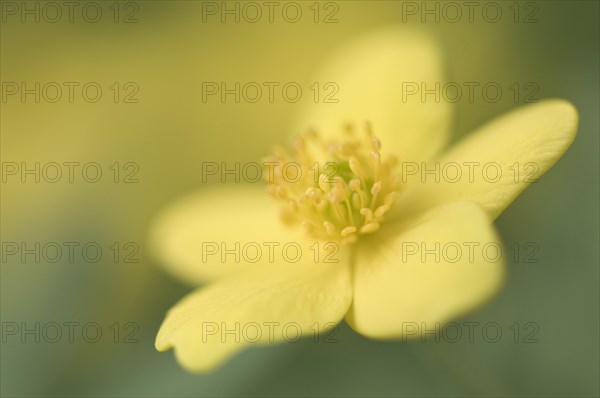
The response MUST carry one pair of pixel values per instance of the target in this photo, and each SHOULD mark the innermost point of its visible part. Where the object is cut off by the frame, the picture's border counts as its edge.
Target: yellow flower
(408, 236)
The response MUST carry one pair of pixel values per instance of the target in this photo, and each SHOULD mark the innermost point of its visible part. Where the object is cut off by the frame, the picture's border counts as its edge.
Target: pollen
(336, 190)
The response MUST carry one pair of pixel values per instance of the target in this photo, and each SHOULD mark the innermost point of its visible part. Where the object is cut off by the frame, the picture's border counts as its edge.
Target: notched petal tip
(193, 365)
(161, 346)
(160, 342)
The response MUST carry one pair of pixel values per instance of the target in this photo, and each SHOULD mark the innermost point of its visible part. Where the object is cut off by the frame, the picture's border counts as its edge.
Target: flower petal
(372, 74)
(496, 162)
(213, 221)
(272, 304)
(423, 277)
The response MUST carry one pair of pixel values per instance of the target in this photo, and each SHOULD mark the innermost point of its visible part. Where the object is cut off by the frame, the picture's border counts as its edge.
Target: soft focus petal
(274, 304)
(373, 75)
(401, 288)
(191, 236)
(496, 162)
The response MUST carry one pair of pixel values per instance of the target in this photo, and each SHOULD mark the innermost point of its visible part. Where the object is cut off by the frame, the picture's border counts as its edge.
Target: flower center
(335, 190)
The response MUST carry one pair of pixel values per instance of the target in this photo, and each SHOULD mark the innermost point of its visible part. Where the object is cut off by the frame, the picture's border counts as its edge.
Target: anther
(369, 228)
(376, 188)
(330, 228)
(356, 167)
(381, 210)
(348, 230)
(324, 182)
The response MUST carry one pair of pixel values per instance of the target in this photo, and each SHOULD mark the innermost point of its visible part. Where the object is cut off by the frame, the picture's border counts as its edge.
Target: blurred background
(148, 133)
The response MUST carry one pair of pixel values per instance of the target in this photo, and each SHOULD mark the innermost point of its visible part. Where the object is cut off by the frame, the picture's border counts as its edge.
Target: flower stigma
(336, 190)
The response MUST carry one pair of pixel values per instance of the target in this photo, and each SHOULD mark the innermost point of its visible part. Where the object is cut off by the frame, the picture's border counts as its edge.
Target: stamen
(376, 143)
(375, 189)
(381, 211)
(343, 204)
